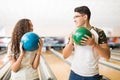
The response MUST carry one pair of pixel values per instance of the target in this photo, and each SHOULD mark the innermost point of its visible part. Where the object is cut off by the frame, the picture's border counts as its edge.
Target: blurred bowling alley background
(53, 22)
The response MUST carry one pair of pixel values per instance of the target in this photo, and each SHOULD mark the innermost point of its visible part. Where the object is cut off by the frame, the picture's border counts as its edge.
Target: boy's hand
(88, 40)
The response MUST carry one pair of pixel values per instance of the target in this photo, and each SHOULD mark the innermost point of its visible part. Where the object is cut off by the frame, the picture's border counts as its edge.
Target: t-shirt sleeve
(102, 37)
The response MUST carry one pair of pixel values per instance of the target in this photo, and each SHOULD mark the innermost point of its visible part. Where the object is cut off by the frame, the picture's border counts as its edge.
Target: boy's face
(79, 19)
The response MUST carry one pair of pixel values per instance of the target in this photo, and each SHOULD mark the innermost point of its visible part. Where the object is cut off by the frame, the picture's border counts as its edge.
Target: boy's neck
(88, 26)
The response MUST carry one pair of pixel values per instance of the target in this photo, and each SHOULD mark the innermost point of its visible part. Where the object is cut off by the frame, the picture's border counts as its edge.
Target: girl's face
(31, 26)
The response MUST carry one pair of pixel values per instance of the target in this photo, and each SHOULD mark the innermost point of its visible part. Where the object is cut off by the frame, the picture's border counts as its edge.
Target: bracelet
(72, 44)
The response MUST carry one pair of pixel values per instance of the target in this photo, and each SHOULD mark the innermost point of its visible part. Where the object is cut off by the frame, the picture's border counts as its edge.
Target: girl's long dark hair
(21, 27)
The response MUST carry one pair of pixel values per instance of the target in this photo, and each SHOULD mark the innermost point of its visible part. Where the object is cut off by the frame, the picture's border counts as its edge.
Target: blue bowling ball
(30, 41)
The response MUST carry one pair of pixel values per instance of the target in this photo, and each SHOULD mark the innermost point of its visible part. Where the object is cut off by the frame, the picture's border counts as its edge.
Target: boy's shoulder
(98, 30)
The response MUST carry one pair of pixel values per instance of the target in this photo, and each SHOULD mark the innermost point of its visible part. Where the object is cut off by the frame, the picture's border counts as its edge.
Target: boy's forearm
(103, 51)
(67, 50)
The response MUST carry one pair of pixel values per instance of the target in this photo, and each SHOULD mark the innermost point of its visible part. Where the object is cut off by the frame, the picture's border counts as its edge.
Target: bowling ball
(30, 41)
(79, 34)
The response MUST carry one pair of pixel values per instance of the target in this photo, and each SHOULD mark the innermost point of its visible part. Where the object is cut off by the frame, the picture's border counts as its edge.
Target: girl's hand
(22, 52)
(40, 45)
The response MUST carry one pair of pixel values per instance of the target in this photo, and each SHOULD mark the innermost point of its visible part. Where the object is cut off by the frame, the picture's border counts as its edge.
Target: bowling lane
(115, 57)
(59, 67)
(109, 72)
(3, 51)
(115, 52)
(60, 51)
(114, 62)
(3, 60)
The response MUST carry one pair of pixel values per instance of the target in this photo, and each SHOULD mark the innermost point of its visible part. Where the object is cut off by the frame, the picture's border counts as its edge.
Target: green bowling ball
(79, 34)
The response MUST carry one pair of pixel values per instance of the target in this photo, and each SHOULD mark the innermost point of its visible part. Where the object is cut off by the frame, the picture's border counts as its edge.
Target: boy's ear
(85, 17)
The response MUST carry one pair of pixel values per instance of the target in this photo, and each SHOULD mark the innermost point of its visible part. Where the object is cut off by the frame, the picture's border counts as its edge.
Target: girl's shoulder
(9, 52)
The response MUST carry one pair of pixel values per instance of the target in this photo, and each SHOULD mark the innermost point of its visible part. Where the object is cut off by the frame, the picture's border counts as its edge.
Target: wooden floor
(2, 63)
(111, 73)
(115, 62)
(59, 67)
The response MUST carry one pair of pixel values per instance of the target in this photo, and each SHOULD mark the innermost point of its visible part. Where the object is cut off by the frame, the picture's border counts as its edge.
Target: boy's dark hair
(83, 10)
